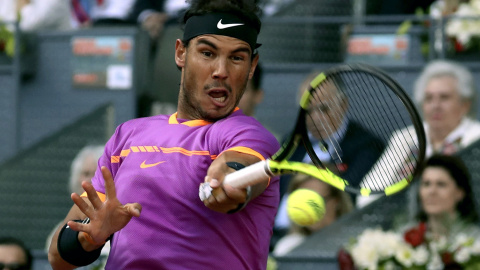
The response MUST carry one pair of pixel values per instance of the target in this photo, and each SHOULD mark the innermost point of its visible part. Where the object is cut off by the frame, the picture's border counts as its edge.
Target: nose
(220, 69)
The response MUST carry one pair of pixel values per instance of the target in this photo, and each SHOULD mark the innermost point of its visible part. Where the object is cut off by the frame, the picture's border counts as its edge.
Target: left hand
(106, 217)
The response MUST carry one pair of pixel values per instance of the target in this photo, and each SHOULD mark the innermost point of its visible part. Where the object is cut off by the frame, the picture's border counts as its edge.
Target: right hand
(106, 217)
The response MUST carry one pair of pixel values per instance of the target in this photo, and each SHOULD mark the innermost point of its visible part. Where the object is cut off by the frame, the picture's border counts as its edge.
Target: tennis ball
(305, 207)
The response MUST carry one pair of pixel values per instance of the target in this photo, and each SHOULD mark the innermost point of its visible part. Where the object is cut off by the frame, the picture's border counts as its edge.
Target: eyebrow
(211, 44)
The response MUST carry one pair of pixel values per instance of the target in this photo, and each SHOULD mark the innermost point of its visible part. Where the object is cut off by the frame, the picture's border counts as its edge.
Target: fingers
(92, 195)
(109, 184)
(82, 205)
(76, 226)
(225, 198)
(214, 183)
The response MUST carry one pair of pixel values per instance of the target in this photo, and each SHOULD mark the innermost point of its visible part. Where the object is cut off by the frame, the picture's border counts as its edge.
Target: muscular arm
(224, 197)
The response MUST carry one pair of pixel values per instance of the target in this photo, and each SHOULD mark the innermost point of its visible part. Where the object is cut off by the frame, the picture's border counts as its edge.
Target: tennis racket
(382, 114)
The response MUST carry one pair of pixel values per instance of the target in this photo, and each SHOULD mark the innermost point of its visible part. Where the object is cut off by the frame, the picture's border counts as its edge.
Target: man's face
(215, 72)
(327, 110)
(443, 107)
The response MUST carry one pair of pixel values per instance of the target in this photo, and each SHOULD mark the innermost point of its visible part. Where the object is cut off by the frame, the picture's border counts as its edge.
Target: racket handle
(250, 175)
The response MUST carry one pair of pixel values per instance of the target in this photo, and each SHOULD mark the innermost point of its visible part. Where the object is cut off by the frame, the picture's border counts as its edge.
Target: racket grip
(250, 175)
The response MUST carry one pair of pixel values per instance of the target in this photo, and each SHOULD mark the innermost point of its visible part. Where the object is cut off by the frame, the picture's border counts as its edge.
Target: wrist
(88, 243)
(237, 166)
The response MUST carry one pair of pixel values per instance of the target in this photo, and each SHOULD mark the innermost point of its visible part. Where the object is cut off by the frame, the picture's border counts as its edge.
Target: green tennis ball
(305, 207)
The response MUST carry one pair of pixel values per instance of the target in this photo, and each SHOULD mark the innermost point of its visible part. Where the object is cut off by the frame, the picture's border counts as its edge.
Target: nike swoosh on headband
(220, 25)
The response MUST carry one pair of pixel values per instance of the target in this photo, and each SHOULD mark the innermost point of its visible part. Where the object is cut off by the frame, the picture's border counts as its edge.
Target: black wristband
(237, 166)
(71, 250)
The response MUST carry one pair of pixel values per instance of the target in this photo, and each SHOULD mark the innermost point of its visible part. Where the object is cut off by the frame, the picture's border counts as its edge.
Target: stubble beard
(190, 105)
(187, 101)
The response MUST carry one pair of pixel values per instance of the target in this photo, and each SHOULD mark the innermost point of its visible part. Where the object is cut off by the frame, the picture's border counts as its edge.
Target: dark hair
(460, 174)
(257, 78)
(17, 242)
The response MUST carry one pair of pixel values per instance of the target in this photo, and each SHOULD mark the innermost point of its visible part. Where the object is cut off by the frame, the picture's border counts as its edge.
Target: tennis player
(144, 195)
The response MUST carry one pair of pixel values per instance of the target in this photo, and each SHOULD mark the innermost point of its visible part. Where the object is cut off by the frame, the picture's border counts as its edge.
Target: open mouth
(219, 96)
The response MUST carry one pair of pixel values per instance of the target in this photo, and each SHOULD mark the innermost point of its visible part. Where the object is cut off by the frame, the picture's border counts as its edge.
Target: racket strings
(366, 95)
(363, 98)
(403, 158)
(360, 97)
(325, 119)
(389, 122)
(394, 121)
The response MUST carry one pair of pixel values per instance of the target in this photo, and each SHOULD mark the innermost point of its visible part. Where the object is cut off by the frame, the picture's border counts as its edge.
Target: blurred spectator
(14, 255)
(337, 203)
(111, 12)
(253, 94)
(84, 166)
(445, 92)
(154, 14)
(445, 228)
(446, 198)
(151, 15)
(36, 15)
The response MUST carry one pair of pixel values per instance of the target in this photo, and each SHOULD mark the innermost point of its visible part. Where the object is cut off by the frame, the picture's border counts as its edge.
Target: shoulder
(472, 131)
(359, 135)
(355, 128)
(238, 122)
(241, 130)
(467, 229)
(473, 124)
(142, 123)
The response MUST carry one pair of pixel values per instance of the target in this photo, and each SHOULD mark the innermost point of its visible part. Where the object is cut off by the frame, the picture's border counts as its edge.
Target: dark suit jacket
(358, 155)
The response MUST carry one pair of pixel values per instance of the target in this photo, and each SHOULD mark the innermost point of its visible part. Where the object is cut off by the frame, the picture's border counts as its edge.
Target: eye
(207, 53)
(237, 58)
(425, 183)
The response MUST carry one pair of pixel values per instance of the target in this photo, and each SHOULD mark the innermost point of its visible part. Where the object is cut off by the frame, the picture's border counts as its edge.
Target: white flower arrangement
(465, 29)
(376, 249)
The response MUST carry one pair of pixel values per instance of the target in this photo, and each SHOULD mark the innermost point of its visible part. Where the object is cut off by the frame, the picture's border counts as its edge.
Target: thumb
(133, 209)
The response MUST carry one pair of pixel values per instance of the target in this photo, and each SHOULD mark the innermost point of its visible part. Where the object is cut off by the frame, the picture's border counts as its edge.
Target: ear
(180, 53)
(254, 65)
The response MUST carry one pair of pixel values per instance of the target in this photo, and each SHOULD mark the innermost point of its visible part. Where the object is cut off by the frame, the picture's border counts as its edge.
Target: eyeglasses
(13, 266)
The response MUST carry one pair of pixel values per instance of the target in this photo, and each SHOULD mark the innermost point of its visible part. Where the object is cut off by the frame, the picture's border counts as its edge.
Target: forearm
(54, 257)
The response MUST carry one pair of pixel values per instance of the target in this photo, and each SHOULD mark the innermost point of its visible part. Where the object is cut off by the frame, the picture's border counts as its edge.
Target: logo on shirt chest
(145, 165)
